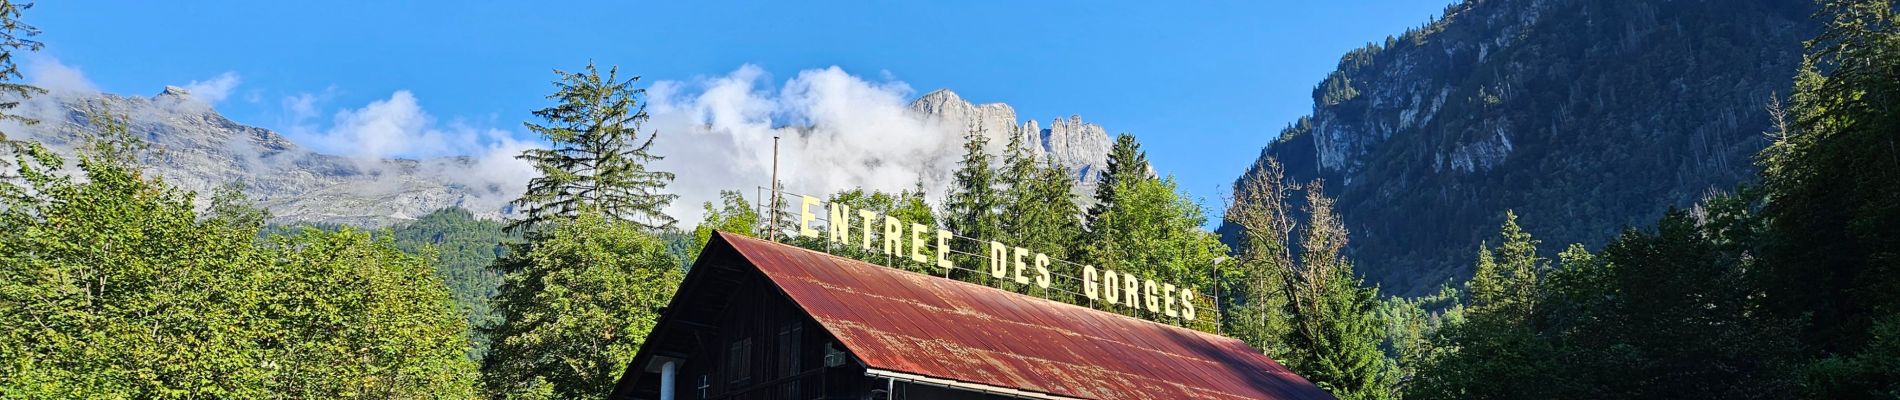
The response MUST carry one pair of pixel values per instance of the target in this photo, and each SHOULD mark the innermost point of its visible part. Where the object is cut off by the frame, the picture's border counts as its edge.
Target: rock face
(1583, 116)
(196, 149)
(1079, 146)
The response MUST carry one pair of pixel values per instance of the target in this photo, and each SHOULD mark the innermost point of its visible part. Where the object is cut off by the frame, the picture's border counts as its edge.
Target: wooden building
(762, 320)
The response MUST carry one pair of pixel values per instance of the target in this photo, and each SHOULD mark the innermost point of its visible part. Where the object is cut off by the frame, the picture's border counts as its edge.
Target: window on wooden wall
(739, 361)
(789, 348)
(790, 345)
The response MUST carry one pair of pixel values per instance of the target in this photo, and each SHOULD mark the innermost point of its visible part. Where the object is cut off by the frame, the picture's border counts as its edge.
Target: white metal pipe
(669, 373)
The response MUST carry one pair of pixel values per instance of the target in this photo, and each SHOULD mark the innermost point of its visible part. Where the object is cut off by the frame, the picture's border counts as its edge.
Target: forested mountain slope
(1584, 116)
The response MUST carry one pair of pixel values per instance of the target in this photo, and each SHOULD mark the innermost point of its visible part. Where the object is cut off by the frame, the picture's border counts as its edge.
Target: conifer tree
(1831, 174)
(597, 161)
(15, 35)
(1126, 162)
(972, 205)
(1505, 280)
(1498, 354)
(1040, 212)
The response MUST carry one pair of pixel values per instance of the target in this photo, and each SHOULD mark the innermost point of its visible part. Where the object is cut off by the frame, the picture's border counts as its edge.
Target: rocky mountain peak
(198, 150)
(174, 92)
(1079, 146)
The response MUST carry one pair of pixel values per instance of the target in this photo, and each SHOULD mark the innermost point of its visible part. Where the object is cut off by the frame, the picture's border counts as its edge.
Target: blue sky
(1203, 85)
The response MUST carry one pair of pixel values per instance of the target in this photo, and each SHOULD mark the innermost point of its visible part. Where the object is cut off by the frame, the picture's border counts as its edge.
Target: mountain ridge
(1584, 116)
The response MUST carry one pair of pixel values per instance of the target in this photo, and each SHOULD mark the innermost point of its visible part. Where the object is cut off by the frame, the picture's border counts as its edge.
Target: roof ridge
(1006, 292)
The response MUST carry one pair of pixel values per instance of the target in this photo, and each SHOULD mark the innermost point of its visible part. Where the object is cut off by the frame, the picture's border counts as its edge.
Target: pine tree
(1040, 213)
(14, 36)
(1498, 355)
(1126, 163)
(972, 206)
(598, 162)
(1505, 281)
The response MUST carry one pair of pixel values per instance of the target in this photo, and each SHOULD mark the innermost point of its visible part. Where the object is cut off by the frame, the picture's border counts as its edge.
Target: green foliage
(1153, 232)
(1143, 226)
(111, 286)
(597, 161)
(733, 215)
(1583, 116)
(353, 317)
(1831, 175)
(15, 35)
(1676, 303)
(576, 301)
(1335, 331)
(1126, 163)
(973, 205)
(1493, 352)
(1255, 293)
(908, 206)
(1412, 327)
(1873, 372)
(463, 247)
(1830, 253)
(1039, 213)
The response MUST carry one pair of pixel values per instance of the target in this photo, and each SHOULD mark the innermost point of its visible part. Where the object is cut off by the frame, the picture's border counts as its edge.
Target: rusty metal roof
(935, 327)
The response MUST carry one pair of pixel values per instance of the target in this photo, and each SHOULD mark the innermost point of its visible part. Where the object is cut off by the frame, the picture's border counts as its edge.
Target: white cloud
(394, 127)
(839, 131)
(48, 73)
(214, 90)
(481, 159)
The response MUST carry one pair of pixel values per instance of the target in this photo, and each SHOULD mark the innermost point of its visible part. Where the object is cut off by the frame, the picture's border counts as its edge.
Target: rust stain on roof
(913, 323)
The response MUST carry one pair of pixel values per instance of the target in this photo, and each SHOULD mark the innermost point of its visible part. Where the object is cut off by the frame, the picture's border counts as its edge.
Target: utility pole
(773, 236)
(1220, 310)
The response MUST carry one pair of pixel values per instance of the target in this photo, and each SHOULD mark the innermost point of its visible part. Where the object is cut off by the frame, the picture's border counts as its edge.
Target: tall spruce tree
(1505, 280)
(15, 35)
(1498, 354)
(1126, 162)
(1150, 231)
(597, 162)
(1041, 213)
(1335, 331)
(972, 206)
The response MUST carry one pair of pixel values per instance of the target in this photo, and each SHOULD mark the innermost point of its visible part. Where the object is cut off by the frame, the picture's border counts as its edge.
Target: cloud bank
(837, 131)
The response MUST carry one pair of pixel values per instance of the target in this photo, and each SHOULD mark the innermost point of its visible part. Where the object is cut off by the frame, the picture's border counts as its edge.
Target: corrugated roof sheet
(913, 323)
